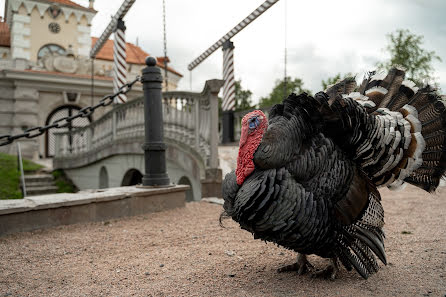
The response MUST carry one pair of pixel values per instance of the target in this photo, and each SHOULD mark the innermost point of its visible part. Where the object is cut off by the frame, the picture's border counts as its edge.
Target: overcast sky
(323, 37)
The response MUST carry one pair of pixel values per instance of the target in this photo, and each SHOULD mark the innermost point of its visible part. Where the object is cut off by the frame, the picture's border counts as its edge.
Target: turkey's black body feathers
(317, 168)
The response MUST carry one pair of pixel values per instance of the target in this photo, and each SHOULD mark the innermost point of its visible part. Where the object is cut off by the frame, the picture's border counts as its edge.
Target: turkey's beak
(243, 135)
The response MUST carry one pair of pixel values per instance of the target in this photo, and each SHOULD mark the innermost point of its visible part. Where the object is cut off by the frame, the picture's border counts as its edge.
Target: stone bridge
(108, 152)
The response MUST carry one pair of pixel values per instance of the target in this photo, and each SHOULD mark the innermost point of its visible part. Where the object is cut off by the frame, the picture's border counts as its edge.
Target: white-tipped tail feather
(411, 85)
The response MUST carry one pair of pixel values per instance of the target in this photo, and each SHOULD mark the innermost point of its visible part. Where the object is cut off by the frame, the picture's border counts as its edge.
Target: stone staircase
(39, 184)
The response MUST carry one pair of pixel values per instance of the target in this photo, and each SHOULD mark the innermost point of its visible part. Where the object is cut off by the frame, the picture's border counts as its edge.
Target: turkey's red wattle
(249, 141)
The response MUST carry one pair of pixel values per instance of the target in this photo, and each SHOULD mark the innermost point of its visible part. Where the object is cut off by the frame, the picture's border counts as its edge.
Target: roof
(134, 54)
(5, 35)
(70, 3)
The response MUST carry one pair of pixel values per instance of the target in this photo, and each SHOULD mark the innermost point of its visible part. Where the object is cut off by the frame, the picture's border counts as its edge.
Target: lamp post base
(157, 180)
(155, 187)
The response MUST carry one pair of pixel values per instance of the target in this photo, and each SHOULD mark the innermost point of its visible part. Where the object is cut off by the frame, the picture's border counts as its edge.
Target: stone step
(38, 178)
(34, 191)
(44, 183)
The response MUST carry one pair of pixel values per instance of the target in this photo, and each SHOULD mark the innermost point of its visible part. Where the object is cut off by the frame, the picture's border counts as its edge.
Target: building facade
(46, 72)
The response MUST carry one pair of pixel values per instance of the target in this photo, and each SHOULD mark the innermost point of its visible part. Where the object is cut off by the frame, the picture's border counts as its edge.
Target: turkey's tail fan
(345, 86)
(426, 114)
(403, 137)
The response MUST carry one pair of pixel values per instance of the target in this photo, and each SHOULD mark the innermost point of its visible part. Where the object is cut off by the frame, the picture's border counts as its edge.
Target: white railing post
(197, 123)
(211, 89)
(114, 123)
(89, 137)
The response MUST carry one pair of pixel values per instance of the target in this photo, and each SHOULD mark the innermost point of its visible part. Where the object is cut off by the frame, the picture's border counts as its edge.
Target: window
(50, 49)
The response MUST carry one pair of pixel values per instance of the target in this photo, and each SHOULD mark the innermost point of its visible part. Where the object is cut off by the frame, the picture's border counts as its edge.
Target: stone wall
(66, 208)
(181, 164)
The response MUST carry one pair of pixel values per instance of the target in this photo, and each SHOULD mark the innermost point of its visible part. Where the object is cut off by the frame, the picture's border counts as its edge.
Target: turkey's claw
(329, 272)
(301, 266)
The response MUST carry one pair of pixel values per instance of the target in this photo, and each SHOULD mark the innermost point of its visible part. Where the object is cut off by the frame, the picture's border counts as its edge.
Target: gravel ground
(184, 252)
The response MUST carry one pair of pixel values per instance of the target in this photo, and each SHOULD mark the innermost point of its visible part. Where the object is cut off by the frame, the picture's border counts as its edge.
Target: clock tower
(40, 27)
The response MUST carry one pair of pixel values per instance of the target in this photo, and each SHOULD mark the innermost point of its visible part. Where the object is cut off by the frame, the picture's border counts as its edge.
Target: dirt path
(184, 252)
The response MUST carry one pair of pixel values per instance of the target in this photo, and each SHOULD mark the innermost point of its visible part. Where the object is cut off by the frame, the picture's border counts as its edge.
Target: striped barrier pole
(120, 65)
(228, 104)
(234, 31)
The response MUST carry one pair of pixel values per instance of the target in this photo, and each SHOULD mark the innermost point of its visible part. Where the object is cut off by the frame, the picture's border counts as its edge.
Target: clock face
(54, 27)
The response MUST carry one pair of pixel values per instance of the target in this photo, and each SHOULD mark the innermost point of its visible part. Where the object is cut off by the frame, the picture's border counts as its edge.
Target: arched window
(50, 49)
(103, 178)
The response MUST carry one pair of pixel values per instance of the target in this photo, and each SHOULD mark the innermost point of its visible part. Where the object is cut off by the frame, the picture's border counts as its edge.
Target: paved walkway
(184, 252)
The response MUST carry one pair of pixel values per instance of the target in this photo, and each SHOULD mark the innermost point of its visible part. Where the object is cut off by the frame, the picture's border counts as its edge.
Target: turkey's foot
(330, 271)
(301, 266)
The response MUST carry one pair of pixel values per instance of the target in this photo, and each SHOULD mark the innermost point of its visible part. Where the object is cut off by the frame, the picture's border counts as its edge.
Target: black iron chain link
(64, 122)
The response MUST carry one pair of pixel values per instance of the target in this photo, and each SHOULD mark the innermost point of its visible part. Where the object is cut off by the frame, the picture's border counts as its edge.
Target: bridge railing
(190, 119)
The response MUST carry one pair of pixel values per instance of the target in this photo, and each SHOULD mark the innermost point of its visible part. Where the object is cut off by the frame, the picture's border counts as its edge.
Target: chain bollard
(154, 146)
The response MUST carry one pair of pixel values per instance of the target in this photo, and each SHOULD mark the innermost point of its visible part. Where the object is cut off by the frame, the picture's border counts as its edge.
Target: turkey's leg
(301, 266)
(330, 271)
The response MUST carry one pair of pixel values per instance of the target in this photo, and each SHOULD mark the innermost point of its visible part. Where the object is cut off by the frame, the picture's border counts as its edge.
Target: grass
(64, 185)
(10, 175)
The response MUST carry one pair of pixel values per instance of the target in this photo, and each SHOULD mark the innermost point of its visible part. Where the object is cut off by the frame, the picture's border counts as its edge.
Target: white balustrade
(189, 118)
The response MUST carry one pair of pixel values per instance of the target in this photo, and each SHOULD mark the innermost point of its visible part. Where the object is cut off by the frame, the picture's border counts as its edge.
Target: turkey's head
(254, 125)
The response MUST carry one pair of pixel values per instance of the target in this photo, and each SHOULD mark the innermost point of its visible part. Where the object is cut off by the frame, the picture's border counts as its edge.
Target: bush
(63, 183)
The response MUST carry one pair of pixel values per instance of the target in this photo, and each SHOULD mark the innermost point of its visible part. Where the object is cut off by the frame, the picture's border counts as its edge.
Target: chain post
(154, 146)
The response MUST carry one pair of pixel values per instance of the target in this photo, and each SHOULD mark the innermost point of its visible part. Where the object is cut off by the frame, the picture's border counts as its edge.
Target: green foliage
(334, 79)
(242, 97)
(63, 184)
(278, 93)
(57, 173)
(405, 50)
(10, 175)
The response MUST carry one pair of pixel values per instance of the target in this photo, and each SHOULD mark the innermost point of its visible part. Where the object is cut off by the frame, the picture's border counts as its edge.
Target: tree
(405, 50)
(278, 93)
(242, 97)
(334, 79)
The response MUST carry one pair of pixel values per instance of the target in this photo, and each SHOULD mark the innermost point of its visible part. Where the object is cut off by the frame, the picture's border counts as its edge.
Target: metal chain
(64, 122)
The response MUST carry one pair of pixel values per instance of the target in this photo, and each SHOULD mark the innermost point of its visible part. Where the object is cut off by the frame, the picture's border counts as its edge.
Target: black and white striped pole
(228, 103)
(228, 67)
(120, 14)
(120, 65)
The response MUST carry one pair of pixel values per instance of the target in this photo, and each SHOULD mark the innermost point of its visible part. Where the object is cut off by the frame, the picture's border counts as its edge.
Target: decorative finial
(150, 61)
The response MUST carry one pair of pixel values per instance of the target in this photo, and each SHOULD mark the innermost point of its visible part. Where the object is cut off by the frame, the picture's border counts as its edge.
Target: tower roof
(69, 3)
(134, 54)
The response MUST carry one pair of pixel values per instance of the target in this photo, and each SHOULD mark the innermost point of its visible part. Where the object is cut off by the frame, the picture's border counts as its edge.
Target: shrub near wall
(63, 183)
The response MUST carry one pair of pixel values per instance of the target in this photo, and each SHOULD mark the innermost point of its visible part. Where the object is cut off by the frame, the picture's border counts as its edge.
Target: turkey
(307, 178)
